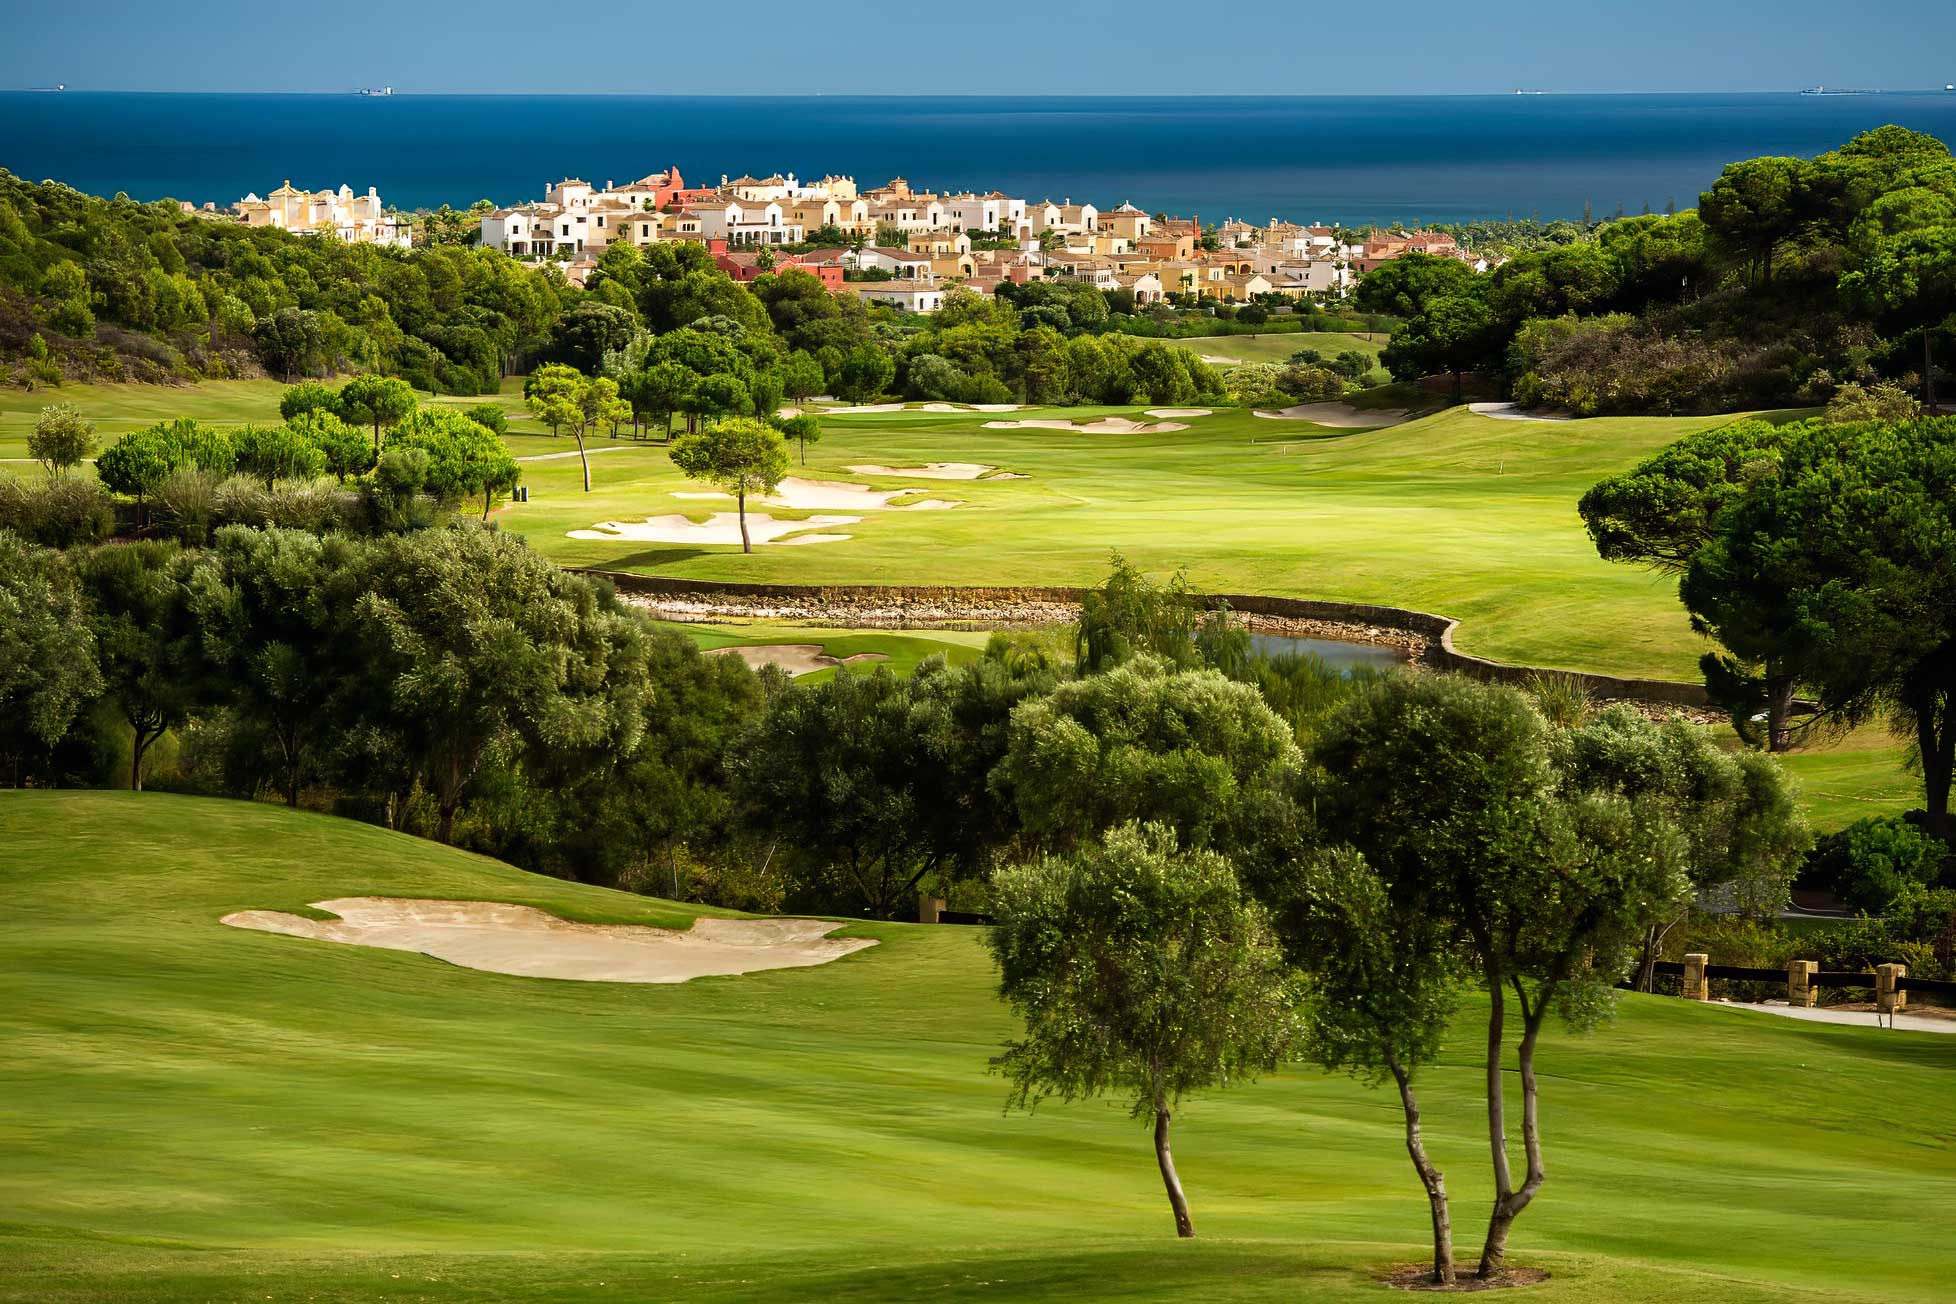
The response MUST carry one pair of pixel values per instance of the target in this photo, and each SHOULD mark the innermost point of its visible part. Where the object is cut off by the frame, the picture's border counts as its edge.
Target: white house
(909, 296)
(742, 222)
(898, 262)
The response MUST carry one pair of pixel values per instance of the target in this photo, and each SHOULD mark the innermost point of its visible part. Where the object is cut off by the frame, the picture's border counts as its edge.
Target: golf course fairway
(190, 1112)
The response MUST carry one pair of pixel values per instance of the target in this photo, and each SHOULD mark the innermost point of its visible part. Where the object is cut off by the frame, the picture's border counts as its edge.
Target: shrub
(59, 512)
(1883, 401)
(184, 505)
(489, 416)
(1871, 862)
(61, 439)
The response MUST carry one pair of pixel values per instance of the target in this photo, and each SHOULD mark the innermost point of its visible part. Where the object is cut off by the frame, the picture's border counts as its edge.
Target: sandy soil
(832, 495)
(839, 495)
(1104, 426)
(530, 943)
(866, 407)
(721, 527)
(795, 658)
(1341, 415)
(1509, 412)
(1864, 1017)
(1170, 413)
(933, 471)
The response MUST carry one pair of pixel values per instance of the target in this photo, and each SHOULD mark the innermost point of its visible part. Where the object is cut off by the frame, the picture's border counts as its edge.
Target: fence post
(1799, 983)
(1696, 986)
(1889, 997)
(929, 908)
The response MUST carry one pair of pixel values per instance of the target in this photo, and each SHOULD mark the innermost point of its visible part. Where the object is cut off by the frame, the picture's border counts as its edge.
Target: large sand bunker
(1179, 412)
(1513, 412)
(1342, 415)
(1103, 426)
(721, 527)
(930, 471)
(836, 495)
(796, 658)
(529, 943)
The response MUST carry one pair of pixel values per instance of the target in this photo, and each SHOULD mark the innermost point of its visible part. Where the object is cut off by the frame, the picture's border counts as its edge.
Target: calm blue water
(1331, 159)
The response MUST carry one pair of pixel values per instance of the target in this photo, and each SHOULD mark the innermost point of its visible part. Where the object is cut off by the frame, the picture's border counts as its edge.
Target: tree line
(1792, 278)
(393, 466)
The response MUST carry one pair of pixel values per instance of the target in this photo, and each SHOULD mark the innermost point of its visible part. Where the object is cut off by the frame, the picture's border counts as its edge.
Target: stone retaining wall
(1426, 636)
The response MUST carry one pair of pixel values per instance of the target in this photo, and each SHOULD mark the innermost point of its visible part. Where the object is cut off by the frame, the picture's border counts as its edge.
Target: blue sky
(1050, 46)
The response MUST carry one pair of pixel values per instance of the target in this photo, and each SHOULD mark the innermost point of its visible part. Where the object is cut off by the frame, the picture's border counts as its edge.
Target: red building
(745, 265)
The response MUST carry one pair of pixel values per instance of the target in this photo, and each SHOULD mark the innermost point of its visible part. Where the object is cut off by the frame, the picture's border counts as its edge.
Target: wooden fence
(1804, 980)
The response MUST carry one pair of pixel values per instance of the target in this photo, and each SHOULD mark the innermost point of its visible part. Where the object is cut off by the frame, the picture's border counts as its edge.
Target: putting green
(191, 1112)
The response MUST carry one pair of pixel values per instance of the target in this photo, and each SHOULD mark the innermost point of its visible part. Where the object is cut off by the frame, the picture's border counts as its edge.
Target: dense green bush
(1873, 861)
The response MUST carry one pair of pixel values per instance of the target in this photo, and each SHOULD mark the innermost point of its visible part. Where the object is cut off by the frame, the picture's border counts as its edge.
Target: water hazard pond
(1333, 652)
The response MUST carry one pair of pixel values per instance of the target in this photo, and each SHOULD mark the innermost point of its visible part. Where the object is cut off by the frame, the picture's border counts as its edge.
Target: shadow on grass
(648, 559)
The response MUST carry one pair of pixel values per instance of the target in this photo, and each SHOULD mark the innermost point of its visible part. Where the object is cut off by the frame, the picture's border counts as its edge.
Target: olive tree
(61, 439)
(1385, 973)
(1140, 969)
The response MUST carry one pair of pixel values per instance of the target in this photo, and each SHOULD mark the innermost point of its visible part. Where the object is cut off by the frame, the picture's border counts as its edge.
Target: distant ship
(1835, 90)
(1520, 91)
(49, 90)
(378, 91)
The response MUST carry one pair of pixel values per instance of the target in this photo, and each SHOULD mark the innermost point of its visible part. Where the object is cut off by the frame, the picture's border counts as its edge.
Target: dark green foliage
(1141, 971)
(1873, 861)
(192, 296)
(48, 670)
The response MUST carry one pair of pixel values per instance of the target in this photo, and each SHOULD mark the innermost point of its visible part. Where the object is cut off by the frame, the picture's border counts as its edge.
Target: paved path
(1858, 1018)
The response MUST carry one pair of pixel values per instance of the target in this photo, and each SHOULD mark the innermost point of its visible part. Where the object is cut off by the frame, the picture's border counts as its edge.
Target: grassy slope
(1455, 513)
(189, 1112)
(1278, 348)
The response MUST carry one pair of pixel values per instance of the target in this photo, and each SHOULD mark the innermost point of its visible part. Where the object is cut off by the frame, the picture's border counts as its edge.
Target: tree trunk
(745, 544)
(1928, 375)
(1184, 1225)
(1935, 734)
(1779, 709)
(445, 824)
(1508, 1204)
(1497, 1109)
(138, 748)
(376, 439)
(1430, 1177)
(583, 457)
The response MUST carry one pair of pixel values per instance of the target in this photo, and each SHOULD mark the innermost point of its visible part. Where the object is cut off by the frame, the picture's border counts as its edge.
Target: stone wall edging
(1438, 629)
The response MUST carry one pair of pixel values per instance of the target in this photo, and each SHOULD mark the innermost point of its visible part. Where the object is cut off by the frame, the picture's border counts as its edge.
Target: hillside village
(904, 247)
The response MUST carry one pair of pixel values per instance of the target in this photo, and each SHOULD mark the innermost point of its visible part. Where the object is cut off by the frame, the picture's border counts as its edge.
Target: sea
(1332, 159)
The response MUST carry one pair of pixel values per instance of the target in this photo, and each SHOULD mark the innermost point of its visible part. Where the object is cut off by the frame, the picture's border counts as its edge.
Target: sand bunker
(1103, 426)
(829, 495)
(1342, 415)
(795, 658)
(866, 407)
(933, 471)
(721, 527)
(532, 944)
(1180, 412)
(1509, 412)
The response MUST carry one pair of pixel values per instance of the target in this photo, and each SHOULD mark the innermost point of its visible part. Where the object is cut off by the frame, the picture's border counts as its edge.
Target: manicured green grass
(1455, 513)
(1278, 348)
(903, 650)
(1860, 775)
(190, 1113)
